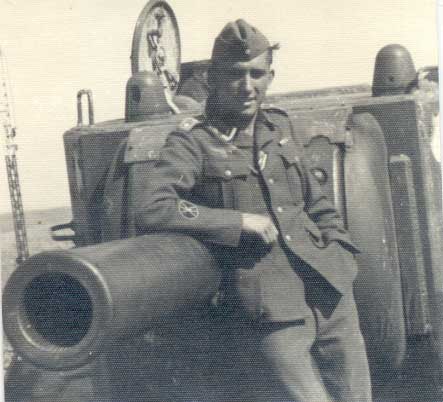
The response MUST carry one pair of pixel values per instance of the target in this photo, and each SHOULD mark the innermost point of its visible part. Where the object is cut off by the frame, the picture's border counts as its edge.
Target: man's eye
(256, 74)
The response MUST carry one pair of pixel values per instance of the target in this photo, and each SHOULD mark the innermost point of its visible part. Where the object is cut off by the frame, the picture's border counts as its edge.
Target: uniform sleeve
(323, 212)
(165, 204)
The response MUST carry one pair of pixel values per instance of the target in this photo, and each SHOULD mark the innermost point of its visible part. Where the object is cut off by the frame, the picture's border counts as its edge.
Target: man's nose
(247, 83)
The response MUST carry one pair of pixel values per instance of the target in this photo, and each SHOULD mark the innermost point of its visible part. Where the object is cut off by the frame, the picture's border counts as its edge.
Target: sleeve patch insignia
(188, 210)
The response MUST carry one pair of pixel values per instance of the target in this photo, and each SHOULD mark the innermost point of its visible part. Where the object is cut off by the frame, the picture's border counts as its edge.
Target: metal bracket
(57, 237)
(80, 94)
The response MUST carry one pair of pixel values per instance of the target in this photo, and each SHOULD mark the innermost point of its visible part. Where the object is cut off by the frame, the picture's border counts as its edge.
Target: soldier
(237, 179)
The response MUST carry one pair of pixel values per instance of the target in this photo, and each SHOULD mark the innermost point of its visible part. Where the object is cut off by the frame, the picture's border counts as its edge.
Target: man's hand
(260, 225)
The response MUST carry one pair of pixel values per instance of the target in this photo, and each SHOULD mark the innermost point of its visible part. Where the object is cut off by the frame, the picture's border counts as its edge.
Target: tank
(140, 330)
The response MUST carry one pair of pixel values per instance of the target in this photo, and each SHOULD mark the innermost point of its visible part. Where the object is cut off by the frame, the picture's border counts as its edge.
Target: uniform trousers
(320, 358)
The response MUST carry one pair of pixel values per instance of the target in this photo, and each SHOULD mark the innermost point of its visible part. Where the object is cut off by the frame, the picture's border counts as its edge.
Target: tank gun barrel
(62, 308)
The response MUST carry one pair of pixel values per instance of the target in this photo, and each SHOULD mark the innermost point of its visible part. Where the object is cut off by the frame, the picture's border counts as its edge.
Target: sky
(56, 47)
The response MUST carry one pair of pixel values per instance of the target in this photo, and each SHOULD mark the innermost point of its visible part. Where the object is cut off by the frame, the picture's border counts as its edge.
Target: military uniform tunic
(201, 185)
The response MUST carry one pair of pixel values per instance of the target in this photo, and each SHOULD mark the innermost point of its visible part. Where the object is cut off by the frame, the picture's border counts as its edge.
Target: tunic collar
(263, 129)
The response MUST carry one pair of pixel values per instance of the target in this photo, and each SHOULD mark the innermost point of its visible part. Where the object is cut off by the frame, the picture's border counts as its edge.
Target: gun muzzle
(61, 309)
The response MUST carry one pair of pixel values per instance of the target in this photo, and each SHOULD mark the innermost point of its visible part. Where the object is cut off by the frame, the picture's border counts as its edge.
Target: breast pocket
(225, 168)
(294, 172)
(222, 177)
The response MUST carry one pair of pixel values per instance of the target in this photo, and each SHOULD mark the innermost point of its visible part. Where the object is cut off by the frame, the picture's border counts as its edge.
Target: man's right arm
(163, 205)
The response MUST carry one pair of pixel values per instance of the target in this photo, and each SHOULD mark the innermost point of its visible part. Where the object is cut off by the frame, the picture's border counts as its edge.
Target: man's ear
(271, 75)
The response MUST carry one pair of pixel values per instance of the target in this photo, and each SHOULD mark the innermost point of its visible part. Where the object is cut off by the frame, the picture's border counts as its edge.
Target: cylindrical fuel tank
(62, 308)
(370, 219)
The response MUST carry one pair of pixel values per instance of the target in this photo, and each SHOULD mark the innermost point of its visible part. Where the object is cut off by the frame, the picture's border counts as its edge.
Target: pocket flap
(226, 168)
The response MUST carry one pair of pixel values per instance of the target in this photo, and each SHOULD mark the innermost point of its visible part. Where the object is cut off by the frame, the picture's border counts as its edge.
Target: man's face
(241, 87)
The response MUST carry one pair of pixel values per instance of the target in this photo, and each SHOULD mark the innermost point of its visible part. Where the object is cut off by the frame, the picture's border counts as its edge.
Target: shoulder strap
(269, 107)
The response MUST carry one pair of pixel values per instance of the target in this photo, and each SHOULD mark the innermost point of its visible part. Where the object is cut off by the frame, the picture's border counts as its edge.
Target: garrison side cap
(239, 41)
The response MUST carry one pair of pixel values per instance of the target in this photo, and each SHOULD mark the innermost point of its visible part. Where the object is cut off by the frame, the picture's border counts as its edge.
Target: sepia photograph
(221, 201)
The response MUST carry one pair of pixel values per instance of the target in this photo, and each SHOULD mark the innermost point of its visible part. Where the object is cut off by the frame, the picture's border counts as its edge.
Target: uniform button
(228, 173)
(288, 237)
(279, 209)
(271, 181)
